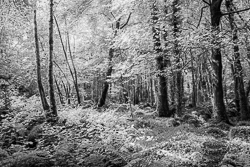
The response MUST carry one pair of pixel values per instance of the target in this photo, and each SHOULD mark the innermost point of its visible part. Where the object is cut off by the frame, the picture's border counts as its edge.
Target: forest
(124, 83)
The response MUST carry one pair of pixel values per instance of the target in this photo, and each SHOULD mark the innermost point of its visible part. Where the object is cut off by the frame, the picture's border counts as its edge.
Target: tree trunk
(51, 82)
(75, 73)
(219, 106)
(59, 91)
(236, 93)
(163, 106)
(248, 57)
(106, 83)
(194, 91)
(118, 26)
(245, 115)
(176, 21)
(38, 68)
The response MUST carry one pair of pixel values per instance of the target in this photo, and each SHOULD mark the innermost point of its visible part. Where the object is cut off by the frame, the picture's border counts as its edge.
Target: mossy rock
(221, 125)
(241, 132)
(63, 158)
(213, 152)
(27, 160)
(95, 160)
(35, 133)
(216, 132)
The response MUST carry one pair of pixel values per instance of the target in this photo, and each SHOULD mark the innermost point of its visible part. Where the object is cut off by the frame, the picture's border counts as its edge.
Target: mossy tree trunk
(51, 78)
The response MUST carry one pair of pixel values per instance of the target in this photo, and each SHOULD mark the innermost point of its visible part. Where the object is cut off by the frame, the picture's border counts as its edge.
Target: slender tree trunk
(245, 115)
(163, 105)
(219, 106)
(248, 57)
(59, 91)
(194, 91)
(51, 82)
(176, 21)
(38, 68)
(75, 73)
(236, 98)
(118, 26)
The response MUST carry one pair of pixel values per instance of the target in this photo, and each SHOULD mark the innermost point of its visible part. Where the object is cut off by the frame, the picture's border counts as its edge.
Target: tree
(176, 23)
(216, 15)
(238, 70)
(161, 63)
(51, 82)
(219, 106)
(38, 68)
(118, 27)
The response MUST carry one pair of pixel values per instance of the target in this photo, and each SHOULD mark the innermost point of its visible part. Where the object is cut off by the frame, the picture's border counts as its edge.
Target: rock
(63, 158)
(216, 132)
(27, 160)
(196, 157)
(172, 122)
(35, 133)
(242, 132)
(213, 152)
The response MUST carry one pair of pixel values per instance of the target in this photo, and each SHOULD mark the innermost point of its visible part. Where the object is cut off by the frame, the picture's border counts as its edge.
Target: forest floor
(113, 137)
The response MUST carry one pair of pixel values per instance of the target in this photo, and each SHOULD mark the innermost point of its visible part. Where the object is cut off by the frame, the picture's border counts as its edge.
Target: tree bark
(38, 67)
(163, 105)
(219, 106)
(236, 98)
(106, 83)
(194, 89)
(51, 81)
(176, 21)
(245, 115)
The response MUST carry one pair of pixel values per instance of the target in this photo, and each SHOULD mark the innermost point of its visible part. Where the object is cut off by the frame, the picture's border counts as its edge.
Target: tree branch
(208, 3)
(126, 21)
(201, 15)
(243, 10)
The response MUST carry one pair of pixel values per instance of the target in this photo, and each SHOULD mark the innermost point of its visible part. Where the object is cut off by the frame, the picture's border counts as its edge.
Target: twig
(126, 21)
(243, 10)
(208, 3)
(201, 15)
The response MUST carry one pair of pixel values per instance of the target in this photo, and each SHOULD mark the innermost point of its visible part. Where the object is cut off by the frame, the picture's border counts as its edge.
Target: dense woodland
(133, 83)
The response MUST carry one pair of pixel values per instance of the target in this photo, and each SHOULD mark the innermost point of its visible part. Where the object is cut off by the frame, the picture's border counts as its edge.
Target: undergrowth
(88, 137)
